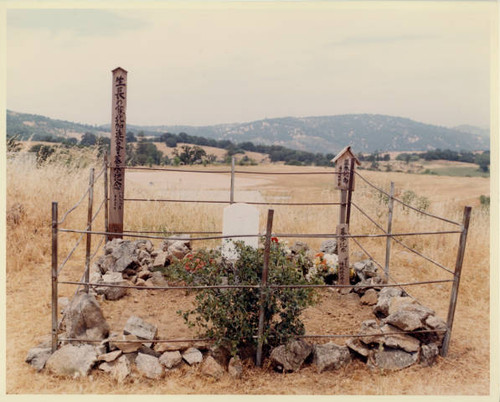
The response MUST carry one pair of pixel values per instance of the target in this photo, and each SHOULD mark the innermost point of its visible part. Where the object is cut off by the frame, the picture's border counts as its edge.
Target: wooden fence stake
(54, 275)
(343, 253)
(89, 228)
(349, 192)
(263, 286)
(389, 231)
(118, 145)
(456, 280)
(106, 194)
(231, 195)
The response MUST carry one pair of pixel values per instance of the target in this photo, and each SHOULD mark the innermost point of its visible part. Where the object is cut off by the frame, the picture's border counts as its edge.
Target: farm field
(465, 371)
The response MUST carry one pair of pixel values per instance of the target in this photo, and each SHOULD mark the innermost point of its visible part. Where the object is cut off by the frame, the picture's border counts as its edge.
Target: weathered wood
(54, 276)
(343, 206)
(389, 231)
(349, 191)
(118, 145)
(231, 196)
(456, 280)
(106, 193)
(89, 228)
(343, 254)
(263, 287)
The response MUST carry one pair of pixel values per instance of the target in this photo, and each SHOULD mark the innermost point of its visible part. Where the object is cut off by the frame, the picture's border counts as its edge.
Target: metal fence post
(89, 228)
(106, 194)
(54, 276)
(389, 231)
(263, 286)
(456, 280)
(231, 194)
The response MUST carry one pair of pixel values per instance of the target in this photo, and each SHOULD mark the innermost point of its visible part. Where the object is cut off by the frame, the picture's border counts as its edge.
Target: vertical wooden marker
(117, 160)
(343, 250)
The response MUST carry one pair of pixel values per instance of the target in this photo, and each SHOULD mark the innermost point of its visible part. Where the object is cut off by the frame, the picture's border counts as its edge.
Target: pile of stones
(381, 342)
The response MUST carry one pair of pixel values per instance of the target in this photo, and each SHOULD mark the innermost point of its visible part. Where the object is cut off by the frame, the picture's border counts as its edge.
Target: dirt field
(466, 370)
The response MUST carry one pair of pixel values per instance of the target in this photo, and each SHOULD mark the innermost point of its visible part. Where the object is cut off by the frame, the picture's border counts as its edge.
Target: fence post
(349, 192)
(231, 194)
(54, 276)
(89, 228)
(118, 145)
(456, 280)
(389, 231)
(106, 194)
(263, 286)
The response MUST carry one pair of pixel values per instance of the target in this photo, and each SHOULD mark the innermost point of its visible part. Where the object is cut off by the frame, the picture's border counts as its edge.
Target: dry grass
(465, 370)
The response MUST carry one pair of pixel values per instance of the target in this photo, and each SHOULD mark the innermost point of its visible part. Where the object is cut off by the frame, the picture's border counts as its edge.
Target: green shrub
(231, 316)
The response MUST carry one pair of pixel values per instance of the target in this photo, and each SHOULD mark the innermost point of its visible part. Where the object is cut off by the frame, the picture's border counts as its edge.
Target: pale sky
(223, 63)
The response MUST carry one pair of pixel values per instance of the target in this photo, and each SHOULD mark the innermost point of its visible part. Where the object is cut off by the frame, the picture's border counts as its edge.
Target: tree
(88, 139)
(483, 160)
(12, 144)
(131, 137)
(190, 155)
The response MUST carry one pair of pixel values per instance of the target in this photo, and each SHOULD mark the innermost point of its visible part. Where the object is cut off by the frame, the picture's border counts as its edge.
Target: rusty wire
(229, 202)
(222, 171)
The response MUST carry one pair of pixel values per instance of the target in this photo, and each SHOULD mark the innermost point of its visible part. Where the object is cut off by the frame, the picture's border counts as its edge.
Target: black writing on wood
(118, 145)
(343, 253)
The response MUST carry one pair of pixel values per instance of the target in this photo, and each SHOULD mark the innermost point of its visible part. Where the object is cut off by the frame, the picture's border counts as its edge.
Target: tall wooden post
(456, 280)
(106, 194)
(118, 144)
(389, 231)
(263, 288)
(89, 228)
(54, 276)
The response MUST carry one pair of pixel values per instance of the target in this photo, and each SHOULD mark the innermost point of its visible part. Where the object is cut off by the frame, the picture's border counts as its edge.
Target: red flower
(274, 239)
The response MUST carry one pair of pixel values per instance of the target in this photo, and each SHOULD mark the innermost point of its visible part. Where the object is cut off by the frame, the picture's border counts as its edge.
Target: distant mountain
(466, 128)
(326, 134)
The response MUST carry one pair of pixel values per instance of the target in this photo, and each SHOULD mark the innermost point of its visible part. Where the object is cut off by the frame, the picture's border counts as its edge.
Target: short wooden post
(118, 145)
(456, 280)
(54, 276)
(389, 231)
(231, 195)
(89, 228)
(263, 287)
(106, 193)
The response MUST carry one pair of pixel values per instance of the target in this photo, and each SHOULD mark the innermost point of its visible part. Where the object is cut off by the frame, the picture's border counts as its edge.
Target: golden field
(465, 371)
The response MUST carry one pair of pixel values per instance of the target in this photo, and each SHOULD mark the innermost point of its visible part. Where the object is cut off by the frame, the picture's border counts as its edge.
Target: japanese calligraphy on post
(343, 250)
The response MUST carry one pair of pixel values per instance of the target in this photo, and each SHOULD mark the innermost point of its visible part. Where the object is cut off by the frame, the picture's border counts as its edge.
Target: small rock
(144, 274)
(329, 246)
(149, 366)
(291, 356)
(365, 269)
(370, 297)
(111, 356)
(140, 282)
(235, 368)
(428, 354)
(62, 302)
(161, 259)
(331, 356)
(112, 293)
(170, 346)
(148, 351)
(405, 320)
(127, 347)
(370, 327)
(143, 255)
(140, 328)
(38, 356)
(72, 360)
(119, 369)
(400, 340)
(171, 359)
(157, 280)
(299, 247)
(221, 355)
(358, 347)
(211, 368)
(192, 356)
(394, 359)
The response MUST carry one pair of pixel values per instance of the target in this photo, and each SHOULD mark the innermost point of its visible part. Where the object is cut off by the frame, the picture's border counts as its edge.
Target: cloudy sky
(224, 62)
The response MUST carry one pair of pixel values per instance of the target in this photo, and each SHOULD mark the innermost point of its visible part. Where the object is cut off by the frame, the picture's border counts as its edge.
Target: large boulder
(331, 356)
(84, 318)
(291, 356)
(72, 360)
(124, 254)
(149, 366)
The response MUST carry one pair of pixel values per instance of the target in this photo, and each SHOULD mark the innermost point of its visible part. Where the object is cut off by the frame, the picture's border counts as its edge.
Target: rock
(211, 368)
(157, 280)
(384, 300)
(370, 297)
(38, 356)
(171, 359)
(358, 347)
(202, 345)
(400, 340)
(100, 349)
(291, 356)
(72, 360)
(331, 356)
(299, 247)
(161, 259)
(143, 245)
(140, 282)
(235, 368)
(144, 274)
(112, 293)
(149, 366)
(428, 354)
(148, 351)
(140, 328)
(170, 346)
(103, 264)
(394, 359)
(405, 320)
(84, 318)
(365, 269)
(221, 355)
(407, 315)
(143, 256)
(119, 369)
(179, 250)
(434, 322)
(370, 327)
(329, 246)
(111, 356)
(192, 356)
(127, 347)
(167, 243)
(62, 303)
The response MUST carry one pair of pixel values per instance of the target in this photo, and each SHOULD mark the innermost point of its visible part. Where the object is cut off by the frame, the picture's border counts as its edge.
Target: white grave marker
(239, 219)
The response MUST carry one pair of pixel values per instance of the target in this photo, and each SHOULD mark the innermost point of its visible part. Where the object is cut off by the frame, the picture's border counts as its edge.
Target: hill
(326, 134)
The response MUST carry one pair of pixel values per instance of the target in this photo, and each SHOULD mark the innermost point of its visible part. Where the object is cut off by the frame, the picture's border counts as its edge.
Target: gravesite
(226, 287)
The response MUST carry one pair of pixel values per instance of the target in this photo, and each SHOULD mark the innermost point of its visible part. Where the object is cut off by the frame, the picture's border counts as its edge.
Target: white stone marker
(239, 219)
